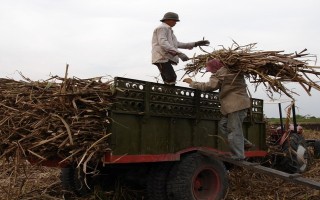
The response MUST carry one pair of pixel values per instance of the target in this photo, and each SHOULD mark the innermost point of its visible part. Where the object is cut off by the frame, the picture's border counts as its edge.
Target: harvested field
(37, 182)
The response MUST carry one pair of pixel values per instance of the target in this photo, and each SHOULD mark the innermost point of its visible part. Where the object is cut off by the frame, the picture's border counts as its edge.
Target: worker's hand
(173, 53)
(187, 80)
(202, 43)
(183, 57)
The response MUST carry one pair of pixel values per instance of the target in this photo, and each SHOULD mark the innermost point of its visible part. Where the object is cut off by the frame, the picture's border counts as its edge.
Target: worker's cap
(170, 15)
(213, 65)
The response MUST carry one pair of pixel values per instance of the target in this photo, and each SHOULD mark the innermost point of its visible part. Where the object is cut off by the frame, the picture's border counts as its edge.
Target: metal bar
(294, 117)
(197, 94)
(281, 121)
(295, 178)
(147, 99)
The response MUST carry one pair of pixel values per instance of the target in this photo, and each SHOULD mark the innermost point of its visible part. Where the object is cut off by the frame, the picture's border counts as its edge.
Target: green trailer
(166, 139)
(156, 122)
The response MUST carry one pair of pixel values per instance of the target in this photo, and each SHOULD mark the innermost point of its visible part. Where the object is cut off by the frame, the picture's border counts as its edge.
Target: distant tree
(300, 117)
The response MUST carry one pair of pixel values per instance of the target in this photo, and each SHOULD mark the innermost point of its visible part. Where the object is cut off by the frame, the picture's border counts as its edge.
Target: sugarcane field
(72, 138)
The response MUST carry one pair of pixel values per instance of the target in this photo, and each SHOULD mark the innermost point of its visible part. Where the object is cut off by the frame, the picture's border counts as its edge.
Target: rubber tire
(316, 149)
(289, 163)
(183, 178)
(157, 181)
(74, 181)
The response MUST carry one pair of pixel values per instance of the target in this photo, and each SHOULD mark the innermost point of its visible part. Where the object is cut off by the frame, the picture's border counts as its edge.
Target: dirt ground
(38, 182)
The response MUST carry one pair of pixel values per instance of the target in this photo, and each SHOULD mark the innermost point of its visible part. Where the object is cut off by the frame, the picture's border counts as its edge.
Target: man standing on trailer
(165, 46)
(234, 101)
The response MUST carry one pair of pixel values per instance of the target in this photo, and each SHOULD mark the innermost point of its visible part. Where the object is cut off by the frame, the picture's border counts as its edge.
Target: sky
(113, 37)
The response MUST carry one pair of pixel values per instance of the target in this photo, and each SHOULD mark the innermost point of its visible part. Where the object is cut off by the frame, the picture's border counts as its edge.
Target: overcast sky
(113, 37)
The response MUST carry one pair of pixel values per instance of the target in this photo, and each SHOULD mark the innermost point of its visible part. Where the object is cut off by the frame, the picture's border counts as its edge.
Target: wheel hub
(205, 184)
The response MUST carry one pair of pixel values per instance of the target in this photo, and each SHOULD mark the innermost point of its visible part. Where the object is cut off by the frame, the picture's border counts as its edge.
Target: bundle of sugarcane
(61, 118)
(271, 68)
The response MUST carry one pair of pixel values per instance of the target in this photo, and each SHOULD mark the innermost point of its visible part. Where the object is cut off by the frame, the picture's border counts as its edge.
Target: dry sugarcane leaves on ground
(270, 68)
(43, 183)
(247, 184)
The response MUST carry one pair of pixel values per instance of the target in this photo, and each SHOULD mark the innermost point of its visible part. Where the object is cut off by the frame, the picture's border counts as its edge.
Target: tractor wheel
(316, 149)
(197, 177)
(157, 182)
(297, 158)
(74, 180)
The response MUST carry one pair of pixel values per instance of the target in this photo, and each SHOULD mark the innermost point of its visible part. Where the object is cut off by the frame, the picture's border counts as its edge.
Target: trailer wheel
(157, 182)
(74, 180)
(316, 149)
(197, 177)
(297, 155)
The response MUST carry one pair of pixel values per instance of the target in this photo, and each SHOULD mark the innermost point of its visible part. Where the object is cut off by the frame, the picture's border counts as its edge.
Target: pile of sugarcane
(271, 68)
(58, 118)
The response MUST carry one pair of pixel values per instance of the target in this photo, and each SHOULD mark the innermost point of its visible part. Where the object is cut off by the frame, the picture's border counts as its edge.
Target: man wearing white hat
(165, 46)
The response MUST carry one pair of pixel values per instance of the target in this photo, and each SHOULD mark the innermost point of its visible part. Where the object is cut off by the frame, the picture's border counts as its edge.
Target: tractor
(289, 150)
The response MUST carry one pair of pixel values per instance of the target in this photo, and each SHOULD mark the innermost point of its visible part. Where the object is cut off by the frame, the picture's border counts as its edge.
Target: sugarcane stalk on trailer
(270, 68)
